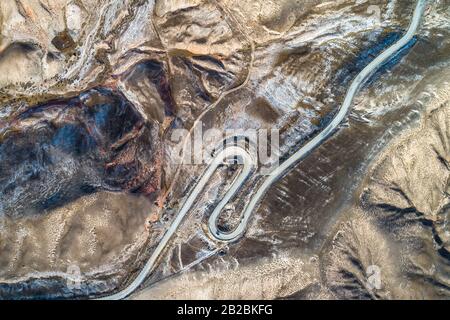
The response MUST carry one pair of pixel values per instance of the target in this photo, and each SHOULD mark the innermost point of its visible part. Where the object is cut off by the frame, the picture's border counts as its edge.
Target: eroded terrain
(100, 100)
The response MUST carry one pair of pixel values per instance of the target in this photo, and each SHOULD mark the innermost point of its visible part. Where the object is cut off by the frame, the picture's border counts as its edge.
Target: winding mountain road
(249, 163)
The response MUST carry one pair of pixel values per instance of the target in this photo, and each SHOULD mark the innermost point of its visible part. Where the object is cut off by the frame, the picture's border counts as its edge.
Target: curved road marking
(276, 173)
(224, 154)
(329, 129)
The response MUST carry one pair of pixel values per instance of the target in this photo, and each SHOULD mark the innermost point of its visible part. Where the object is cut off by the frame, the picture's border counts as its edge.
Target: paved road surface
(278, 172)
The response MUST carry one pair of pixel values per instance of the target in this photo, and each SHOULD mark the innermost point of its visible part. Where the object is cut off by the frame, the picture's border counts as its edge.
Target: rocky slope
(92, 97)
